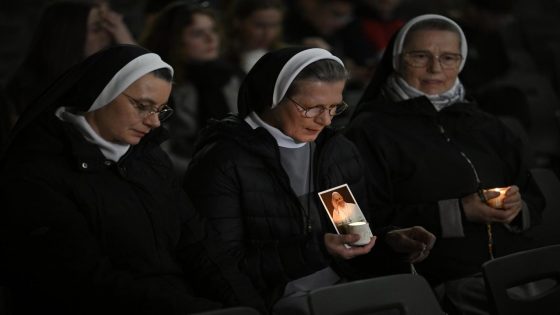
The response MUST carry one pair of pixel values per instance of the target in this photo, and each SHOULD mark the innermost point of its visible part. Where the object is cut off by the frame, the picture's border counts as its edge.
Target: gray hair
(324, 70)
(432, 24)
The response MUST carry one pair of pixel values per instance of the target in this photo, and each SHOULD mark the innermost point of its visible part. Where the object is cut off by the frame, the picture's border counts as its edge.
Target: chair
(547, 232)
(5, 298)
(505, 275)
(395, 294)
(239, 310)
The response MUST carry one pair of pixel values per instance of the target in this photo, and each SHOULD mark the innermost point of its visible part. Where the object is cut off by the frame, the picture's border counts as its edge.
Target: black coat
(80, 234)
(237, 181)
(413, 152)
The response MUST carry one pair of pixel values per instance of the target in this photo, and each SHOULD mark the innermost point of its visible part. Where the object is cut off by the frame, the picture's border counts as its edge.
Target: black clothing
(83, 235)
(416, 166)
(237, 181)
(209, 91)
(348, 42)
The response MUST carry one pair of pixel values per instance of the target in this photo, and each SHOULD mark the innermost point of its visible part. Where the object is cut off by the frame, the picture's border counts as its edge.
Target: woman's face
(120, 121)
(332, 16)
(261, 29)
(97, 36)
(289, 118)
(431, 79)
(200, 40)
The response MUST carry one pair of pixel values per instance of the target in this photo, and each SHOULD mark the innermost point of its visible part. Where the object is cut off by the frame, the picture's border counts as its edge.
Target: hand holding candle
(509, 201)
(498, 201)
(362, 229)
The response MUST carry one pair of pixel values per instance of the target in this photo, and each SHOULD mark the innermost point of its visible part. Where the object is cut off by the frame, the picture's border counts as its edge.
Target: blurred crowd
(213, 44)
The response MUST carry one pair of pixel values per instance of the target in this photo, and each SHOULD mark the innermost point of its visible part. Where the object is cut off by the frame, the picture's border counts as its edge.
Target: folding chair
(547, 233)
(395, 294)
(537, 268)
(239, 310)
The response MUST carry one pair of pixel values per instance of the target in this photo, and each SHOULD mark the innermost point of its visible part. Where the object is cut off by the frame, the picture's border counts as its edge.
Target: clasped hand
(477, 210)
(416, 242)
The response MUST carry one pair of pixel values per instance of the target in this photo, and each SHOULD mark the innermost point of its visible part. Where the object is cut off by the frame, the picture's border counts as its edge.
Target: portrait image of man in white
(344, 212)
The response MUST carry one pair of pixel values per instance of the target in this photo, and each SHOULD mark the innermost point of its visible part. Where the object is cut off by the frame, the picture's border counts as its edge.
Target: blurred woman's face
(261, 29)
(122, 121)
(432, 45)
(288, 116)
(200, 40)
(97, 37)
(330, 17)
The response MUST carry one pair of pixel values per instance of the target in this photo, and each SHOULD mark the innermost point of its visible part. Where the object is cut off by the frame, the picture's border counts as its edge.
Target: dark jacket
(209, 91)
(414, 153)
(237, 181)
(82, 235)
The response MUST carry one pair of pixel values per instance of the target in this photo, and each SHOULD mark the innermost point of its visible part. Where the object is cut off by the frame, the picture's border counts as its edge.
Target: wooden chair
(395, 294)
(537, 268)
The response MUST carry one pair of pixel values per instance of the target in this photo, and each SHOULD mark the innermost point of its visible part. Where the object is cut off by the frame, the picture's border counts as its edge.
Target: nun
(256, 176)
(437, 158)
(91, 219)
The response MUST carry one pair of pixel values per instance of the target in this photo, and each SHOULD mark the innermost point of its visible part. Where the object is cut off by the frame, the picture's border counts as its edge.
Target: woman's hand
(113, 23)
(340, 245)
(513, 203)
(479, 211)
(414, 241)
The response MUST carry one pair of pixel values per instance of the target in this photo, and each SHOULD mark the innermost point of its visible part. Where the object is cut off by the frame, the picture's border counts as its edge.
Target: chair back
(526, 282)
(395, 294)
(239, 310)
(547, 232)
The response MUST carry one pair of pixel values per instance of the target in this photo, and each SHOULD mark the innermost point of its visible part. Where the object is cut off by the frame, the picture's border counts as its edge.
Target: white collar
(282, 139)
(112, 151)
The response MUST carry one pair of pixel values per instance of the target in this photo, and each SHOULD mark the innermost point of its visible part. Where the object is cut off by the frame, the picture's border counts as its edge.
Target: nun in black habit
(438, 158)
(91, 219)
(256, 175)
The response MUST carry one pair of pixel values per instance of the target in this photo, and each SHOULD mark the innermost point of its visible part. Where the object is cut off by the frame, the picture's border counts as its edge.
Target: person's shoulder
(338, 150)
(225, 142)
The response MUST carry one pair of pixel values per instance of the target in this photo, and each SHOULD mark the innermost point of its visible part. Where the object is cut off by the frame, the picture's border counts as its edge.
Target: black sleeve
(205, 259)
(52, 257)
(217, 193)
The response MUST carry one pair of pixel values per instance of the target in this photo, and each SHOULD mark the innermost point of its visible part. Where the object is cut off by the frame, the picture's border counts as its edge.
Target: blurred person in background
(67, 32)
(330, 24)
(379, 21)
(254, 28)
(92, 220)
(188, 36)
(255, 176)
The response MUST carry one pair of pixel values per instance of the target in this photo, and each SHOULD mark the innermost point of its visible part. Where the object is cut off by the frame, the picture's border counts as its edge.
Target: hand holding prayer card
(345, 214)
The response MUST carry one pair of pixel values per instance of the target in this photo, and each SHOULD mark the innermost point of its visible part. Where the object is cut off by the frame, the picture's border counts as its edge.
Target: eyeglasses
(164, 112)
(420, 59)
(314, 111)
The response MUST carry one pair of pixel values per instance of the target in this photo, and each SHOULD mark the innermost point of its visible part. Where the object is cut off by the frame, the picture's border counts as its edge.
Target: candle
(497, 202)
(362, 229)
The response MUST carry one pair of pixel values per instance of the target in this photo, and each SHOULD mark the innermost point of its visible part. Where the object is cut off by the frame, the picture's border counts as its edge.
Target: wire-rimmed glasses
(164, 112)
(421, 59)
(314, 111)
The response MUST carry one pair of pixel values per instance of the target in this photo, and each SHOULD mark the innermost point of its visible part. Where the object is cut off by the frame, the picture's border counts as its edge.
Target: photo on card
(343, 210)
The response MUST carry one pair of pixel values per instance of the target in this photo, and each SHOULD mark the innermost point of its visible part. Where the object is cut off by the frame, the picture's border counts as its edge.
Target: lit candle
(362, 229)
(498, 201)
